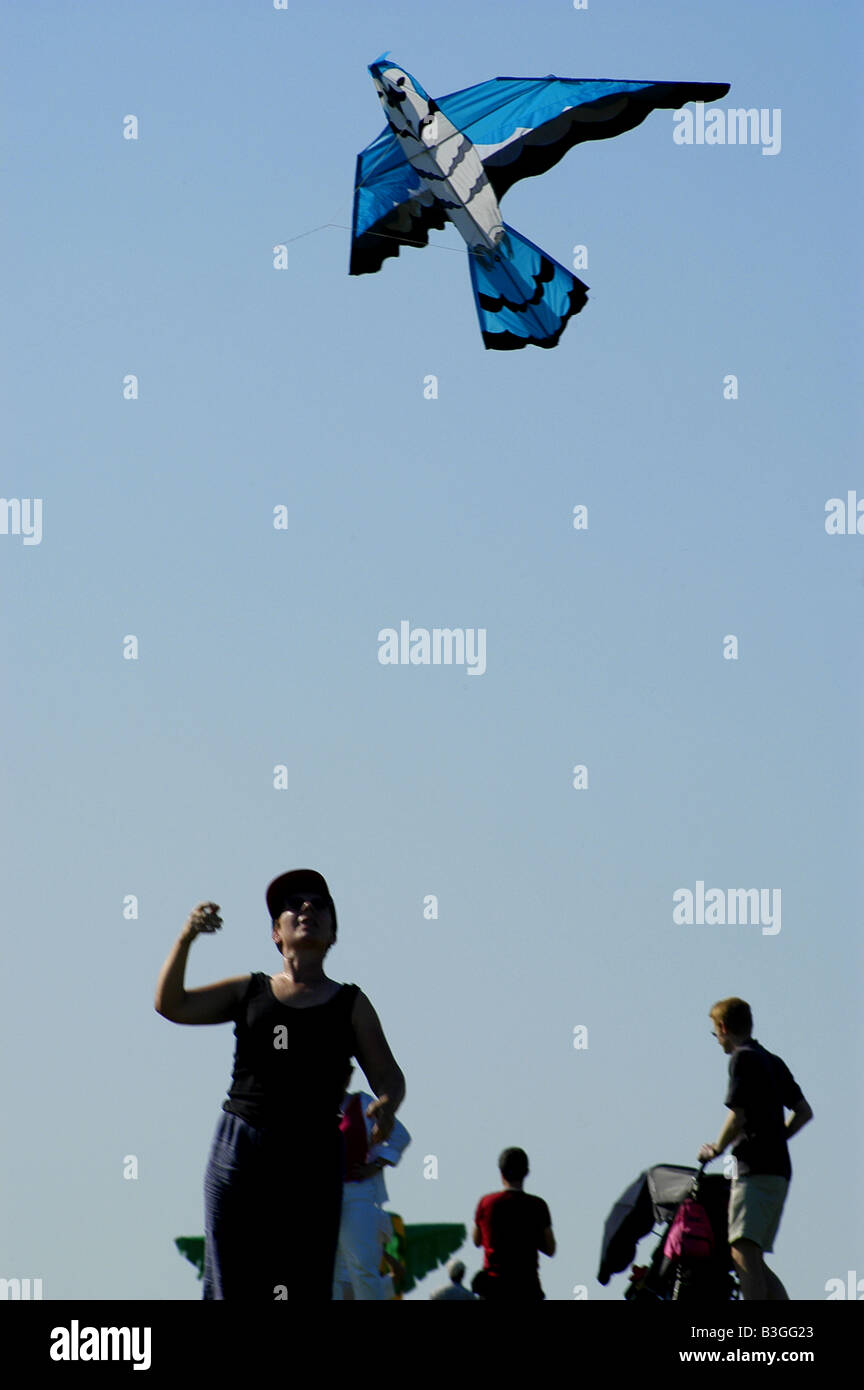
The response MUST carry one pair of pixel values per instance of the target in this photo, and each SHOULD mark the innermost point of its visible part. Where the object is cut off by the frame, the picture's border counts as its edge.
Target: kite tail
(522, 295)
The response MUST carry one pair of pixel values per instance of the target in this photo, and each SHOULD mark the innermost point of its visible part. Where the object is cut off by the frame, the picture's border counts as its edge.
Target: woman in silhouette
(273, 1185)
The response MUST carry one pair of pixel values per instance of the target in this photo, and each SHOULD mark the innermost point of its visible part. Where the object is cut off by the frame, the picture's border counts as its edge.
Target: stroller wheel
(695, 1284)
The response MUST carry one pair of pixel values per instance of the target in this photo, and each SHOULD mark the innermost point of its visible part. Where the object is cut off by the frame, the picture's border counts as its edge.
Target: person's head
(733, 1022)
(513, 1165)
(302, 913)
(456, 1270)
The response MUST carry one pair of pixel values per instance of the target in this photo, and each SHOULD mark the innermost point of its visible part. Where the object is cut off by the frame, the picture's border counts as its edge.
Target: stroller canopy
(653, 1197)
(629, 1220)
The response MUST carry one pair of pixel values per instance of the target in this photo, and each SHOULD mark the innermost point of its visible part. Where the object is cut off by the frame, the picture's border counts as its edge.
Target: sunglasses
(296, 900)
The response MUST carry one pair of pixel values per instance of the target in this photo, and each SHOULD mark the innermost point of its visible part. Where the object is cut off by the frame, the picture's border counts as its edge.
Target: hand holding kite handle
(203, 918)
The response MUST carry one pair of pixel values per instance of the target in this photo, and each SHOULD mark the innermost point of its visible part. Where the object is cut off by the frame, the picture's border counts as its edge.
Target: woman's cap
(294, 882)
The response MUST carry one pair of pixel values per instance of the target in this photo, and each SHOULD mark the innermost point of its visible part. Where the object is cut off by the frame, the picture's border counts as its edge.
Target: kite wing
(391, 208)
(430, 1245)
(522, 126)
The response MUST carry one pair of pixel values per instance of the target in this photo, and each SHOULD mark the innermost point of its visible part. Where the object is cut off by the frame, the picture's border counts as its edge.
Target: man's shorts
(755, 1206)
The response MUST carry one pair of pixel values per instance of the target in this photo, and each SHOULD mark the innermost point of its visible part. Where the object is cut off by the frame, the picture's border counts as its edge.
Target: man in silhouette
(761, 1088)
(511, 1225)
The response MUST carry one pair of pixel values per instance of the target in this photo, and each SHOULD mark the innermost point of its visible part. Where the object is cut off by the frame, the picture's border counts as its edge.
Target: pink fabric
(690, 1235)
(353, 1127)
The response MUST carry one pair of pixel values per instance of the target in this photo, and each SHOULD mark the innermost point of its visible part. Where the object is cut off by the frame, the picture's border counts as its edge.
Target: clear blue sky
(258, 647)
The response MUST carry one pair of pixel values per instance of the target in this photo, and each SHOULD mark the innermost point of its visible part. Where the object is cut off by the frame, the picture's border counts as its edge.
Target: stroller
(652, 1200)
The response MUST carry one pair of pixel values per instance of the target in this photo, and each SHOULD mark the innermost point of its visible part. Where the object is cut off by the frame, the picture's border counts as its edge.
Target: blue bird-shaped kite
(456, 158)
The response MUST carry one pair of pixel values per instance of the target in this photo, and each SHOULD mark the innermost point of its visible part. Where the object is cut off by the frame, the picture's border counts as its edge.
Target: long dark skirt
(271, 1213)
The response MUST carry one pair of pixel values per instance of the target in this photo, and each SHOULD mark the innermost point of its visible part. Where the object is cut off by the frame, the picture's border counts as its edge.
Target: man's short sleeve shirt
(512, 1225)
(761, 1085)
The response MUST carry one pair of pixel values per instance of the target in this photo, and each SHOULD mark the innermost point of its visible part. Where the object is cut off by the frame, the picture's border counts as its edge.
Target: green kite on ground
(412, 1252)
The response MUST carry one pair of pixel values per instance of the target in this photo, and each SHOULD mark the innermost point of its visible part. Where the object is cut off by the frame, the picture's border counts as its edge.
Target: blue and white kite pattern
(454, 159)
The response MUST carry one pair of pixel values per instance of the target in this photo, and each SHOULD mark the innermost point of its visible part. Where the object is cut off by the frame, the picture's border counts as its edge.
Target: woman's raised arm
(210, 1004)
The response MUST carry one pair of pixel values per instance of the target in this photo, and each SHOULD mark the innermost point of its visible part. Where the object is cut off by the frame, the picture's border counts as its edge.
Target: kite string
(340, 211)
(388, 236)
(311, 232)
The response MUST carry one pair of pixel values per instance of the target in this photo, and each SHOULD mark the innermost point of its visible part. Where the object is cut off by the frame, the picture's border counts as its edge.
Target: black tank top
(290, 1064)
